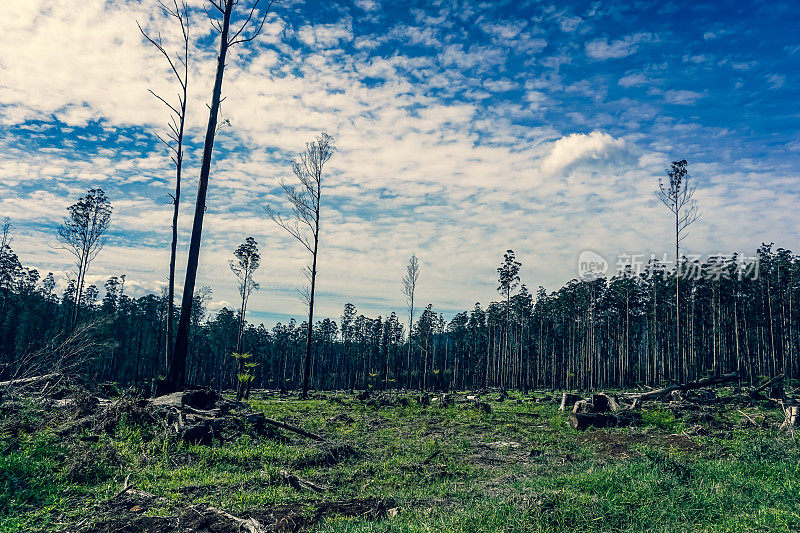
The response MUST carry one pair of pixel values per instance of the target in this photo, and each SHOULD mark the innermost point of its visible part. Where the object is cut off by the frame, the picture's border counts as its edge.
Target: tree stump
(582, 406)
(567, 401)
(582, 421)
(792, 414)
(483, 406)
(201, 433)
(363, 395)
(776, 391)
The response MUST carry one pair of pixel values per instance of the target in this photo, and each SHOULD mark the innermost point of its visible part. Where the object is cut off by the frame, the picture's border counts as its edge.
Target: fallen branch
(301, 484)
(27, 381)
(283, 425)
(249, 524)
(766, 385)
(691, 385)
(748, 417)
(245, 524)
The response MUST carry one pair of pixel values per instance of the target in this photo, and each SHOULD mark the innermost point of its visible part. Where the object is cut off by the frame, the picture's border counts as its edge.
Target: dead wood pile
(197, 416)
(607, 410)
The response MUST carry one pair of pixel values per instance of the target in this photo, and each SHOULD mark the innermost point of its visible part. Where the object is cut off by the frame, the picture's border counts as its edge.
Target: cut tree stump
(483, 406)
(567, 401)
(582, 406)
(201, 433)
(791, 414)
(363, 395)
(776, 392)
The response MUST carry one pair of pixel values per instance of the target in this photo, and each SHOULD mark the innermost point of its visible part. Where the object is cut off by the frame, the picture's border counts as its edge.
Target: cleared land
(392, 464)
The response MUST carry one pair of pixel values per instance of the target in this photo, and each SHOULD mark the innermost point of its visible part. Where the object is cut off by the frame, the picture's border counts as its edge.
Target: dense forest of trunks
(615, 332)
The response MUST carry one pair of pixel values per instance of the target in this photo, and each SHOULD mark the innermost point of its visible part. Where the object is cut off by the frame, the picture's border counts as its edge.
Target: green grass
(447, 469)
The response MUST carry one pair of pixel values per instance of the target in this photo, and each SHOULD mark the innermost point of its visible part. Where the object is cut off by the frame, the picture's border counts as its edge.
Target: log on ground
(582, 421)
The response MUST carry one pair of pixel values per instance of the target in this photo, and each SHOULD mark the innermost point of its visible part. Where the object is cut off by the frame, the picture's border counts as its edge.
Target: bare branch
(160, 48)
(235, 40)
(292, 230)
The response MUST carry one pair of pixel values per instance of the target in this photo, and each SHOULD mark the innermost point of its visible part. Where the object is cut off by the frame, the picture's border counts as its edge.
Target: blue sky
(463, 129)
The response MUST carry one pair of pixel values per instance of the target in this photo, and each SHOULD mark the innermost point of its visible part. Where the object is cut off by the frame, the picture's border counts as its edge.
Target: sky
(462, 129)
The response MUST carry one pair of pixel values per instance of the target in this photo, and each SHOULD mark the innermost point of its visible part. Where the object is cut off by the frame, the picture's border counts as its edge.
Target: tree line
(591, 333)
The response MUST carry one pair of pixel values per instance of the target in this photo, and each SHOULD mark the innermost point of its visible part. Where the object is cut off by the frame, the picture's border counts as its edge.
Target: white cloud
(633, 80)
(476, 56)
(578, 147)
(569, 24)
(716, 34)
(601, 49)
(775, 81)
(325, 35)
(368, 5)
(500, 85)
(682, 97)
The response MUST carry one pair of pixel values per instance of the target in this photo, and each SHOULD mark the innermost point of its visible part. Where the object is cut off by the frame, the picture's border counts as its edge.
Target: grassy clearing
(519, 468)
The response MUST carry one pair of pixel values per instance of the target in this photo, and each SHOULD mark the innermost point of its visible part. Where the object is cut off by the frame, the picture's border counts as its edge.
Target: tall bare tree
(677, 193)
(303, 221)
(83, 235)
(174, 143)
(409, 288)
(249, 29)
(244, 266)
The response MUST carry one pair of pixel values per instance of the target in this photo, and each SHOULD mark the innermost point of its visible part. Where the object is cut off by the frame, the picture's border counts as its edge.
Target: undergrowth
(518, 468)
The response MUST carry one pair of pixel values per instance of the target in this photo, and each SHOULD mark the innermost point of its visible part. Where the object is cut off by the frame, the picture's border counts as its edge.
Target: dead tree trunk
(698, 384)
(175, 145)
(177, 374)
(766, 385)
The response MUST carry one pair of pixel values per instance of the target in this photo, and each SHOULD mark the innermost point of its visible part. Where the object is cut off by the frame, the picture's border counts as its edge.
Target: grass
(445, 469)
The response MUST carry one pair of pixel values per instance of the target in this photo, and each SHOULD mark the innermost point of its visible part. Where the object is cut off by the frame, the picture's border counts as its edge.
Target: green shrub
(660, 418)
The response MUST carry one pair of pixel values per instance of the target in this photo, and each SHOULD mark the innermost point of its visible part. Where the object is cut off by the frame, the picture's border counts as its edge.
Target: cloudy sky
(463, 129)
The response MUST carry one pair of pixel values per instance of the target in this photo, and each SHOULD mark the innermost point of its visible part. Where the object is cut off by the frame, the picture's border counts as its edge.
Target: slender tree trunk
(410, 329)
(168, 351)
(177, 374)
(307, 365)
(242, 311)
(677, 288)
(79, 289)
